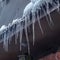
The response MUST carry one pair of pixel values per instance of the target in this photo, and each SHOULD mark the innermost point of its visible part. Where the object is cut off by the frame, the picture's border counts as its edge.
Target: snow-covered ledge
(18, 25)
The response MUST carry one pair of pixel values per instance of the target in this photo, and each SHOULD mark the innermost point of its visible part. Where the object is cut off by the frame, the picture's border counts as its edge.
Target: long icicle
(21, 33)
(26, 32)
(58, 6)
(46, 17)
(38, 18)
(9, 33)
(5, 42)
(51, 22)
(33, 22)
(16, 37)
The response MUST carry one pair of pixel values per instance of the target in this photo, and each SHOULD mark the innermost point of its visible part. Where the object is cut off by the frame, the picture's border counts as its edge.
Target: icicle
(47, 17)
(16, 37)
(38, 18)
(10, 37)
(15, 23)
(27, 9)
(33, 1)
(27, 35)
(9, 40)
(51, 22)
(21, 33)
(9, 32)
(58, 6)
(5, 43)
(33, 22)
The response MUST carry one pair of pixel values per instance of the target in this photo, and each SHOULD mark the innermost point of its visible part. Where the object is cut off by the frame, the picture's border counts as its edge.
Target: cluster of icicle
(31, 13)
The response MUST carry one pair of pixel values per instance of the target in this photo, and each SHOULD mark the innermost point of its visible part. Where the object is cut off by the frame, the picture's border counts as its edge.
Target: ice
(48, 12)
(5, 41)
(16, 35)
(35, 8)
(27, 9)
(33, 34)
(3, 27)
(46, 17)
(9, 25)
(38, 18)
(16, 38)
(58, 6)
(5, 44)
(33, 27)
(26, 32)
(21, 34)
(15, 21)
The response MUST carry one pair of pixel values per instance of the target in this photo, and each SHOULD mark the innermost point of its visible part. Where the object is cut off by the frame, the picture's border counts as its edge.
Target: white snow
(27, 9)
(3, 27)
(15, 21)
(37, 5)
